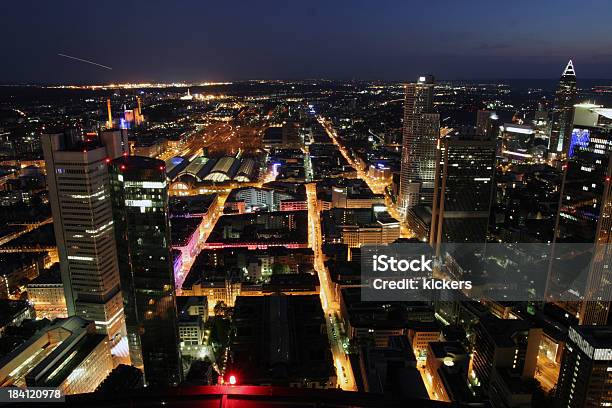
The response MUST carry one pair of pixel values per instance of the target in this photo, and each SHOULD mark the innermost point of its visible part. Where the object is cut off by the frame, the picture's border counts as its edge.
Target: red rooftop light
(123, 167)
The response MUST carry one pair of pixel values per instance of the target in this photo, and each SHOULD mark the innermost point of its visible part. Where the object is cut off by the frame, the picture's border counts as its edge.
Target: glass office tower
(140, 210)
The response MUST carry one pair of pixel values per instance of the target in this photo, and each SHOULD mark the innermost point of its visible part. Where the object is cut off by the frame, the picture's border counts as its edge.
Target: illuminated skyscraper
(565, 98)
(420, 134)
(585, 208)
(140, 209)
(77, 177)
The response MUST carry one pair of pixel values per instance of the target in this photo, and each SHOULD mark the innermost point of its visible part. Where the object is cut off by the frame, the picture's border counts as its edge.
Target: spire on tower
(569, 69)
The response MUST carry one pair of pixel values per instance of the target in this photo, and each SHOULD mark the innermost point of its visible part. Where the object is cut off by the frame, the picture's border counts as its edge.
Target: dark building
(140, 209)
(486, 122)
(242, 396)
(123, 378)
(463, 192)
(281, 340)
(585, 378)
(565, 97)
(504, 346)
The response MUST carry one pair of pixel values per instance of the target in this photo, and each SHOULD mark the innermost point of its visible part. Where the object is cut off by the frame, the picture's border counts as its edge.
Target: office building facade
(585, 378)
(79, 195)
(463, 191)
(140, 210)
(420, 133)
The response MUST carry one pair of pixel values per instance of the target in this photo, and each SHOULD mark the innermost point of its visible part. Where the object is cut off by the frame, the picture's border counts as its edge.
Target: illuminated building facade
(585, 203)
(585, 379)
(46, 292)
(517, 141)
(77, 176)
(68, 355)
(565, 98)
(420, 133)
(140, 209)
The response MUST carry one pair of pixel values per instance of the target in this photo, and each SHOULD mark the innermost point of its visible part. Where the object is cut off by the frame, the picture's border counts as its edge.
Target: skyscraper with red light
(140, 210)
(77, 176)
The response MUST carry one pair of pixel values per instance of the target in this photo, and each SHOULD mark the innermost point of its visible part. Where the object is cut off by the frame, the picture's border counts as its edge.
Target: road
(27, 228)
(547, 373)
(344, 372)
(188, 263)
(377, 186)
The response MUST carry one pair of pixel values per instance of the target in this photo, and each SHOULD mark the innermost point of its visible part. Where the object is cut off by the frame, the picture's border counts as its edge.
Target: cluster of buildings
(198, 266)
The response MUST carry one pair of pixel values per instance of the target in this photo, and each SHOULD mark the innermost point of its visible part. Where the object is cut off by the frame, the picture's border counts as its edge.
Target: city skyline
(376, 243)
(216, 42)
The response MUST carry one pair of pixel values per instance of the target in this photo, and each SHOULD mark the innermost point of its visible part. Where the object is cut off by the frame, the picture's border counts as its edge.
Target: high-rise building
(565, 98)
(486, 122)
(463, 191)
(585, 378)
(77, 176)
(517, 142)
(140, 208)
(541, 125)
(504, 345)
(420, 133)
(585, 213)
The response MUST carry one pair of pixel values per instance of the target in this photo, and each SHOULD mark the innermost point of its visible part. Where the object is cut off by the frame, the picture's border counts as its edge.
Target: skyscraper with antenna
(563, 112)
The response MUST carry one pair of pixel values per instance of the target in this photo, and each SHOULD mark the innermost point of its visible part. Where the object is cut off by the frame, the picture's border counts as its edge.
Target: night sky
(200, 40)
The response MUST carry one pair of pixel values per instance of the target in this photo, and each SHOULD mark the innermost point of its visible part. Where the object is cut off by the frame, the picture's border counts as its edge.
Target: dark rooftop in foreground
(241, 396)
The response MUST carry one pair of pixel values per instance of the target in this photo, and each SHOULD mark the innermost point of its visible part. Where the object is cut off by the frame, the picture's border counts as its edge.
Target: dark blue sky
(233, 39)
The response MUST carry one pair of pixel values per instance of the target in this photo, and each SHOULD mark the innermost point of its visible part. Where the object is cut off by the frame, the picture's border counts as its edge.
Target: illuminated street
(376, 186)
(346, 380)
(547, 373)
(188, 262)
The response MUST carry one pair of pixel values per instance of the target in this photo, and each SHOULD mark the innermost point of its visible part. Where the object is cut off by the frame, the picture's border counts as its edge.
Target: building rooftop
(140, 163)
(599, 337)
(191, 205)
(48, 276)
(281, 340)
(243, 396)
(182, 229)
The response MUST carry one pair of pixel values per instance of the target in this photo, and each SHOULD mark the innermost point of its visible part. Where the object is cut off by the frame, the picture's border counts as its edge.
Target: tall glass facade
(140, 211)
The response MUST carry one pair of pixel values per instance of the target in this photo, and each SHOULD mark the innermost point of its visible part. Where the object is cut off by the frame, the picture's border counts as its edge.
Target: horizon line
(182, 84)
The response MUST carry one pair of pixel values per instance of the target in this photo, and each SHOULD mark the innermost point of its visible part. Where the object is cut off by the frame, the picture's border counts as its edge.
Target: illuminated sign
(580, 138)
(146, 184)
(588, 349)
(139, 203)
